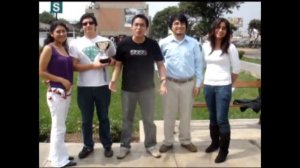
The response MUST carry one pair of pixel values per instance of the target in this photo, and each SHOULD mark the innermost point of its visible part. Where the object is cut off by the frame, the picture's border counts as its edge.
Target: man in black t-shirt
(136, 55)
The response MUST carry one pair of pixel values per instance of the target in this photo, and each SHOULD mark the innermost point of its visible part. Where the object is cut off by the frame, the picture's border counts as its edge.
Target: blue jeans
(88, 98)
(218, 101)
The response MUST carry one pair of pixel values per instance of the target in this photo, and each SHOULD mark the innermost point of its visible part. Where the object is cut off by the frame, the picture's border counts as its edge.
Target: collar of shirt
(179, 42)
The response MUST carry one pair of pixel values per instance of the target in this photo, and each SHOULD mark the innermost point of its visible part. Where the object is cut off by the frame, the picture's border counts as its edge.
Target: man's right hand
(97, 64)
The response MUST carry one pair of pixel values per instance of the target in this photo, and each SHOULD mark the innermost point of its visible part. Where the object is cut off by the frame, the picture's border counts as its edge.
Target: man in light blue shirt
(184, 65)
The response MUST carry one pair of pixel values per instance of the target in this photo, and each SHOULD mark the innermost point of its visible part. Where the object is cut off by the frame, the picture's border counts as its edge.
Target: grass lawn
(74, 117)
(252, 60)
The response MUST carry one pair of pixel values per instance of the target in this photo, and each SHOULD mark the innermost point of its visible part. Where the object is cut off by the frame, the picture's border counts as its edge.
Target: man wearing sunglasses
(92, 84)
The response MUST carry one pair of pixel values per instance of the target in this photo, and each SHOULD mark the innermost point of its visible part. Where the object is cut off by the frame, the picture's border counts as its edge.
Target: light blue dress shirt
(183, 59)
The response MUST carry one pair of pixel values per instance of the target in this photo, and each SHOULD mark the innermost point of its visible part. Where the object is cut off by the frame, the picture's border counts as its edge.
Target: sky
(247, 10)
(79, 7)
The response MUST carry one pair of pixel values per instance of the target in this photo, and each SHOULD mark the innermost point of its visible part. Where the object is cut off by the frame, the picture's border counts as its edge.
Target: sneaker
(153, 151)
(164, 148)
(191, 147)
(108, 152)
(85, 152)
(123, 153)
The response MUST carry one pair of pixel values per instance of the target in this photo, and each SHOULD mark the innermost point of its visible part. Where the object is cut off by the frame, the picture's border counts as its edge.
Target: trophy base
(104, 61)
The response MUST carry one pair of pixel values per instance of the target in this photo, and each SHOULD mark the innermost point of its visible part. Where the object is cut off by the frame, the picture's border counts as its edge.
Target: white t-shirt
(219, 68)
(86, 51)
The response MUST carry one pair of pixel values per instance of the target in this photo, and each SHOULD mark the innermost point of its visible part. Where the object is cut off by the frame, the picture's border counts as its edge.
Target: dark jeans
(87, 98)
(218, 101)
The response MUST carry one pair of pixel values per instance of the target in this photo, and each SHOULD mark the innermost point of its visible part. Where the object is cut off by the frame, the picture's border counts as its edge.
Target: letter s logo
(56, 7)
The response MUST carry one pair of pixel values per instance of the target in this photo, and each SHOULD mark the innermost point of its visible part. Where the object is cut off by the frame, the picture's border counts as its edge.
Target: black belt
(180, 80)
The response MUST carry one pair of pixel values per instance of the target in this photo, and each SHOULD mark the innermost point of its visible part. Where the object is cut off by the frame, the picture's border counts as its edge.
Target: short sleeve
(73, 49)
(157, 52)
(119, 53)
(234, 59)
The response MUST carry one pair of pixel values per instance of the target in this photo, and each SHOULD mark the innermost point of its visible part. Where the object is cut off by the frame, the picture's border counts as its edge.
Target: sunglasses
(90, 23)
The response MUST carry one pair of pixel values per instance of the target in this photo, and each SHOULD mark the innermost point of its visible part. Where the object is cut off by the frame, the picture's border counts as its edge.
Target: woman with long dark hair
(222, 69)
(56, 66)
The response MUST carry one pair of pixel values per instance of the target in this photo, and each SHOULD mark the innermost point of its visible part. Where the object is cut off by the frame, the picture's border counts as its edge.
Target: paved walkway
(254, 69)
(244, 151)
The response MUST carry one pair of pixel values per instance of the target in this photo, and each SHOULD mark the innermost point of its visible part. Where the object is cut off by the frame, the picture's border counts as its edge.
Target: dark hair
(225, 41)
(50, 39)
(181, 17)
(142, 17)
(88, 15)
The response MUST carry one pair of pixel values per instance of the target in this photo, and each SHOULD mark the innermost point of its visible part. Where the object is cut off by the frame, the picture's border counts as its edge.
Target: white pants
(59, 105)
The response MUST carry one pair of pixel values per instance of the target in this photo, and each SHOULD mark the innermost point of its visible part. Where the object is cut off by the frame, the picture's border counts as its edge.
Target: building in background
(45, 28)
(239, 23)
(236, 21)
(114, 18)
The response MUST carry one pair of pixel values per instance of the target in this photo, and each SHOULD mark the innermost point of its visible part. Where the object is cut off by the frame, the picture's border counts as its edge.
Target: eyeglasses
(90, 23)
(139, 25)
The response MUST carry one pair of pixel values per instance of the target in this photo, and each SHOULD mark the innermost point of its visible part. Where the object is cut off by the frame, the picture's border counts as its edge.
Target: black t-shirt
(138, 63)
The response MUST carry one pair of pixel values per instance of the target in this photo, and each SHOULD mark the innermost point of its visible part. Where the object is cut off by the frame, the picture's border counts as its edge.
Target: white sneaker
(123, 153)
(154, 151)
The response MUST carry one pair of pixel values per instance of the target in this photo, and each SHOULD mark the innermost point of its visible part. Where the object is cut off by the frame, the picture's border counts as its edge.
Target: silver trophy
(103, 58)
(103, 46)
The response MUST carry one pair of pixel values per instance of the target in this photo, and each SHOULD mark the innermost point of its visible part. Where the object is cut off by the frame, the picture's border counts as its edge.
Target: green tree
(254, 23)
(233, 27)
(46, 17)
(206, 13)
(254, 35)
(159, 26)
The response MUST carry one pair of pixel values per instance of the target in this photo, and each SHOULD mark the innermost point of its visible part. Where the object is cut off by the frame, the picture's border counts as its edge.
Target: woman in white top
(222, 69)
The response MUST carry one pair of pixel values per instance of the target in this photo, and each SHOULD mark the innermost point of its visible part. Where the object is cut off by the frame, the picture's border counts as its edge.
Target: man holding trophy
(91, 58)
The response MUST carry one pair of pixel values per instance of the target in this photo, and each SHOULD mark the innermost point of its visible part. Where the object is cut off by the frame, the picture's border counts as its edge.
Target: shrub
(241, 53)
(44, 133)
(116, 130)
